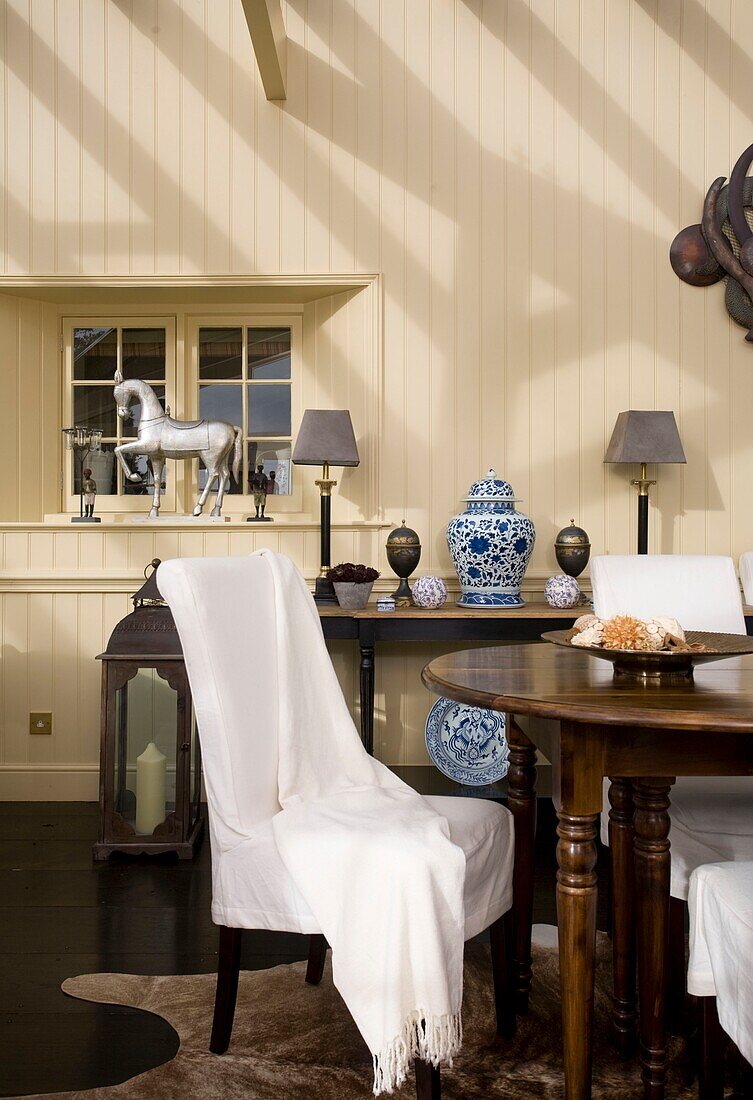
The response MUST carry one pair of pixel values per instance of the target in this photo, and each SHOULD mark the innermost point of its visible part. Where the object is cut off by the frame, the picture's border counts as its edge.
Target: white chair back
(700, 591)
(746, 575)
(225, 615)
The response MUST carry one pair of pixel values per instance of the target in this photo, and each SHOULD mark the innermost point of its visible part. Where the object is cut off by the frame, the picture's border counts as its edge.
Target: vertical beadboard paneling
(119, 137)
(19, 136)
(218, 140)
(514, 170)
(168, 124)
(143, 190)
(68, 139)
(193, 167)
(92, 80)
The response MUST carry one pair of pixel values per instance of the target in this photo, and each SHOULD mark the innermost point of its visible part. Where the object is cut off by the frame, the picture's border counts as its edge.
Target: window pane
(268, 410)
(233, 487)
(269, 353)
(222, 403)
(275, 458)
(220, 353)
(94, 407)
(130, 428)
(143, 353)
(95, 353)
(140, 464)
(103, 467)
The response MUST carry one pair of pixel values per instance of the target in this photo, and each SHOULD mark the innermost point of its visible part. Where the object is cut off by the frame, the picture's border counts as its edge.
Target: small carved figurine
(89, 488)
(259, 485)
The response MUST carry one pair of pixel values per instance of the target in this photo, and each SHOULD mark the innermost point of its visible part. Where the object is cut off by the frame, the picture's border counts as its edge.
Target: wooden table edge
(593, 714)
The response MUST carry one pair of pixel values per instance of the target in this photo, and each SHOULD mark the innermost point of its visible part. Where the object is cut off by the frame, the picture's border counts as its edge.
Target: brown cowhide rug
(292, 1040)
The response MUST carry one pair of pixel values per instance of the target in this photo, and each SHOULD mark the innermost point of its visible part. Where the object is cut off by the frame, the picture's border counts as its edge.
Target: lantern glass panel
(145, 750)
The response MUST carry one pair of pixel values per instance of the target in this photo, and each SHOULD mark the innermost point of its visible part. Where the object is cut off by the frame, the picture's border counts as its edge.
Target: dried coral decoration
(631, 634)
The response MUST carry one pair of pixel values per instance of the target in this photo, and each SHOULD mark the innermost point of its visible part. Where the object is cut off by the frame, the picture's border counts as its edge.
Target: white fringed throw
(373, 861)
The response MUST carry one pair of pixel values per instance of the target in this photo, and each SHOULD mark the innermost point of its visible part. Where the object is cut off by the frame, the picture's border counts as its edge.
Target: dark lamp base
(324, 592)
(85, 519)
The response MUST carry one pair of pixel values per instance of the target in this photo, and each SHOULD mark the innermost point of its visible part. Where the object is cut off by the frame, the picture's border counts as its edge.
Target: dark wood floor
(62, 915)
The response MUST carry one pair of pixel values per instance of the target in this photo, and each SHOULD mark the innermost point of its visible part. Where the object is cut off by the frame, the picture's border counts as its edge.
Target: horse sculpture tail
(237, 452)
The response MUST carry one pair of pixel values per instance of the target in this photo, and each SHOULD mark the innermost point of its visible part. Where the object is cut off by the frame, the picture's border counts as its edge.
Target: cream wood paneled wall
(29, 409)
(514, 170)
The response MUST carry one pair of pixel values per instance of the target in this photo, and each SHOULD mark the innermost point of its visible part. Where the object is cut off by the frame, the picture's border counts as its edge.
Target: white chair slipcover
(234, 689)
(721, 946)
(712, 818)
(746, 575)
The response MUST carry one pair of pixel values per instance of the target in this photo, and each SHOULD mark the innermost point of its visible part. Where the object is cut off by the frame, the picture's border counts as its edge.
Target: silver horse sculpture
(160, 437)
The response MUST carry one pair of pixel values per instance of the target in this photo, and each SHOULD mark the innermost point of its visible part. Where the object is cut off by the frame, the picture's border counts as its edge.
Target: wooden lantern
(150, 761)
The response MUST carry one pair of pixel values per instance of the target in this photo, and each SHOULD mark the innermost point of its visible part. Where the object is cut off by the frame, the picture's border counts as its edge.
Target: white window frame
(239, 503)
(109, 503)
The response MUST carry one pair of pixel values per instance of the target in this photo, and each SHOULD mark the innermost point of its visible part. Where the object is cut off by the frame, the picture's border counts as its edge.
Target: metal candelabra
(83, 442)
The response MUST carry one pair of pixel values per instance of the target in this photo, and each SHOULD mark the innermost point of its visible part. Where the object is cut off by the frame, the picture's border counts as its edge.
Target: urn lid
(490, 487)
(572, 536)
(401, 537)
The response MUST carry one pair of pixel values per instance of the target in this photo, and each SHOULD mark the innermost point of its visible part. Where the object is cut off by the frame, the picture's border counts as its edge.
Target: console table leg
(521, 801)
(367, 696)
(652, 868)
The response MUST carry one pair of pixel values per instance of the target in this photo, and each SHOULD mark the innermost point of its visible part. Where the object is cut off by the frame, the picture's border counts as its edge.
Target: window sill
(133, 521)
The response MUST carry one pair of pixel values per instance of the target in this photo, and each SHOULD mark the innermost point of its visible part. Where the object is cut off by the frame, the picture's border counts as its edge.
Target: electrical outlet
(40, 722)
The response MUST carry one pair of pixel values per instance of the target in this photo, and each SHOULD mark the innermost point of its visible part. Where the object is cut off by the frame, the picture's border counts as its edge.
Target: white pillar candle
(150, 789)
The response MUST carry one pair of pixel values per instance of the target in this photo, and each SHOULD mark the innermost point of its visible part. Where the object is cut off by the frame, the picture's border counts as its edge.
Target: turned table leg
(576, 921)
(652, 867)
(521, 801)
(621, 834)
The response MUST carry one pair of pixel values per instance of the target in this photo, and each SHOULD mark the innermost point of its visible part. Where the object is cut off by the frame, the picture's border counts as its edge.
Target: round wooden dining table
(641, 736)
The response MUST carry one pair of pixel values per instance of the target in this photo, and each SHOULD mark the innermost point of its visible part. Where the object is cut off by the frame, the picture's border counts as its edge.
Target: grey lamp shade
(326, 437)
(645, 436)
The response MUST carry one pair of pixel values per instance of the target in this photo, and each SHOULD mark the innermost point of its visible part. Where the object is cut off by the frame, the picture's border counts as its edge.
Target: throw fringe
(431, 1038)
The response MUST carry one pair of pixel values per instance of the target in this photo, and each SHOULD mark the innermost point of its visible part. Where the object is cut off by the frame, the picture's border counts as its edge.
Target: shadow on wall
(332, 126)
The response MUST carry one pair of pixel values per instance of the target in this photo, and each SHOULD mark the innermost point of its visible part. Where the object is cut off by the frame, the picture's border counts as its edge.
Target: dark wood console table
(447, 624)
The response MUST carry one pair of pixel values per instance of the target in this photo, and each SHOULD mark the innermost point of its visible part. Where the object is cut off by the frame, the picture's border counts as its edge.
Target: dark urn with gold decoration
(573, 549)
(403, 554)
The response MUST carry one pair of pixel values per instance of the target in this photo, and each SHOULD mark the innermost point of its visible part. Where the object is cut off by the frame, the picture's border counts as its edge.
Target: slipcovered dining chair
(225, 614)
(711, 818)
(720, 966)
(745, 566)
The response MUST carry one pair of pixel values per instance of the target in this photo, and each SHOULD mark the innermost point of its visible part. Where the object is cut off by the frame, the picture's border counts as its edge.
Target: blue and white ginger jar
(491, 544)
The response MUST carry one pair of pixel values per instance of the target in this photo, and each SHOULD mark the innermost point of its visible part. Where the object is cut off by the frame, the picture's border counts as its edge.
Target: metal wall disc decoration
(721, 246)
(468, 744)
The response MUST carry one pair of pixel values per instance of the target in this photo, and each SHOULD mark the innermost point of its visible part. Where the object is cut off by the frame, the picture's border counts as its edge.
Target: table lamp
(325, 439)
(643, 436)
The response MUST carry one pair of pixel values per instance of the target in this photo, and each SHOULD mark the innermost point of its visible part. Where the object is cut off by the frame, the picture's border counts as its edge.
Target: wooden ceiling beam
(267, 28)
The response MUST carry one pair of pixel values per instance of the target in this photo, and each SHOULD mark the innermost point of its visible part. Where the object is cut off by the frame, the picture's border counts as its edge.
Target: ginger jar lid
(491, 488)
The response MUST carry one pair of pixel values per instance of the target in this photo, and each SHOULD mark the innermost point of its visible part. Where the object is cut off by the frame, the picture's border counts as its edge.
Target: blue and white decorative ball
(562, 591)
(429, 592)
